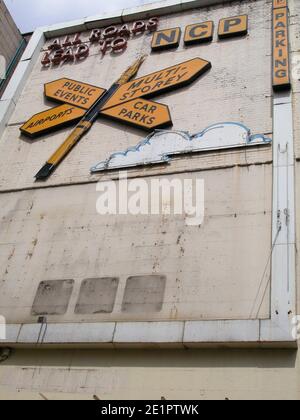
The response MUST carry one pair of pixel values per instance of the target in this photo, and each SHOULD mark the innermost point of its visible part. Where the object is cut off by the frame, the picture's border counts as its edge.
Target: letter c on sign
(199, 33)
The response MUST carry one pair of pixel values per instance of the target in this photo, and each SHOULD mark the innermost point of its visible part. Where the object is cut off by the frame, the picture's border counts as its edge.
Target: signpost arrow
(160, 81)
(140, 112)
(44, 122)
(72, 92)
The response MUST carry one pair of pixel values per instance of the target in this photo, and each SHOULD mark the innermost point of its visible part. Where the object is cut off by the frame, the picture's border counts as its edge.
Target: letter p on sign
(2, 67)
(2, 328)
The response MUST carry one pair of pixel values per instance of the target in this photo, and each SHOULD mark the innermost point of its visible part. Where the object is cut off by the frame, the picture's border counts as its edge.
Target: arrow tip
(45, 172)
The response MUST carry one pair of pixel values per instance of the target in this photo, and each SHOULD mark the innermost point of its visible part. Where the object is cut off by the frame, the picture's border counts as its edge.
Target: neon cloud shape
(163, 145)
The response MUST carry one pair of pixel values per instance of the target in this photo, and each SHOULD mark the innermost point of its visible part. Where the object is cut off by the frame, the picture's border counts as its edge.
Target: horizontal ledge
(189, 334)
(126, 15)
(132, 174)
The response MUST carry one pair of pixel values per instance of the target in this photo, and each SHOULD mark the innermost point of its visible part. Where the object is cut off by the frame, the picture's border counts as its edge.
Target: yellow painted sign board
(279, 3)
(44, 122)
(281, 61)
(160, 81)
(72, 92)
(199, 33)
(234, 26)
(166, 39)
(140, 112)
(126, 105)
(124, 101)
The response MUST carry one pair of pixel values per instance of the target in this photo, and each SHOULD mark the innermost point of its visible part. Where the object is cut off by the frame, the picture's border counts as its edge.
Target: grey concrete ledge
(149, 333)
(191, 334)
(126, 15)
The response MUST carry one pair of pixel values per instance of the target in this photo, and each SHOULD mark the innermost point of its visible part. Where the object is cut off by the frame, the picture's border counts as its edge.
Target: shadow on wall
(219, 358)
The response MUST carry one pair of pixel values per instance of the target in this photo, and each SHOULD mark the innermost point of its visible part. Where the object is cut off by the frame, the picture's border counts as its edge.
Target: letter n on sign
(165, 39)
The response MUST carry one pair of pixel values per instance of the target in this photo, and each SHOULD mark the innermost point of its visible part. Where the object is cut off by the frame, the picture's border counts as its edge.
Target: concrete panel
(97, 296)
(190, 4)
(219, 332)
(52, 297)
(34, 46)
(65, 28)
(144, 294)
(31, 333)
(150, 10)
(79, 334)
(104, 20)
(12, 333)
(149, 333)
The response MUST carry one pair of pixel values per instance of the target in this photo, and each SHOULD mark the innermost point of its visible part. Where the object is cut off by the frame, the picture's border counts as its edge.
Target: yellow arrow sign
(160, 81)
(44, 122)
(140, 112)
(124, 102)
(144, 114)
(73, 92)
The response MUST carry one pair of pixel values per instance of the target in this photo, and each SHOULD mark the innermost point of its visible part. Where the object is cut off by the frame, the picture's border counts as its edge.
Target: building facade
(12, 45)
(156, 256)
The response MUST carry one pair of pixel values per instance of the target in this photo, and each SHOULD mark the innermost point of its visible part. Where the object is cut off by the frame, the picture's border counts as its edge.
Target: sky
(29, 14)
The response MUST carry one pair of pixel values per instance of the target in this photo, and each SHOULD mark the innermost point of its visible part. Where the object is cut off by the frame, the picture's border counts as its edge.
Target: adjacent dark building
(12, 44)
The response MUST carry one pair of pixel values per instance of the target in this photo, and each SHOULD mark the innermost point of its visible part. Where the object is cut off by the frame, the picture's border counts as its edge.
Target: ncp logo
(2, 67)
(2, 328)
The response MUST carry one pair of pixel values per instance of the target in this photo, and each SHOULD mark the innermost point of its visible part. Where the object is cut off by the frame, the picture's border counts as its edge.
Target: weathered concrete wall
(55, 234)
(212, 271)
(200, 375)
